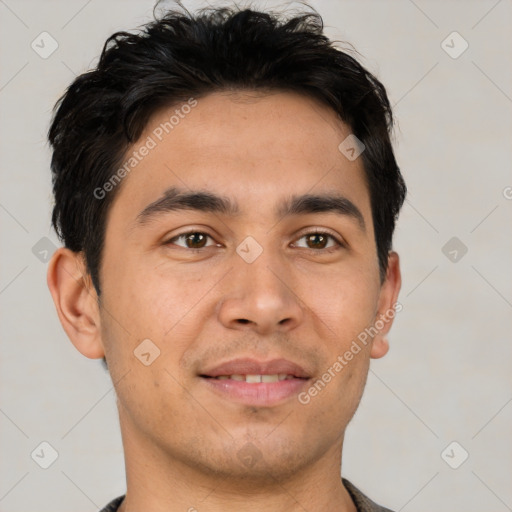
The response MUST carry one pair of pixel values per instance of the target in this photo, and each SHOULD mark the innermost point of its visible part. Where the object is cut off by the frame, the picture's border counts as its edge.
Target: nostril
(243, 320)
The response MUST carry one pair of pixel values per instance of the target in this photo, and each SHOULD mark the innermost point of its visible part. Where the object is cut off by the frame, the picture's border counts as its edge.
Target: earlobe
(386, 307)
(380, 347)
(76, 301)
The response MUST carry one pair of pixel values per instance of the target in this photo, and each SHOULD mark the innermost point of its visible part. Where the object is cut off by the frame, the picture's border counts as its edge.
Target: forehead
(257, 148)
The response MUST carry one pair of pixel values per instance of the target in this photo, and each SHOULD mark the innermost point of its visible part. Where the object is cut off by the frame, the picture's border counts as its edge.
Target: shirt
(362, 502)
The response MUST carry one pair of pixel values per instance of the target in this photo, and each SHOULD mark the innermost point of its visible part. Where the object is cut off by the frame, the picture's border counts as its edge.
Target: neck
(161, 480)
(158, 482)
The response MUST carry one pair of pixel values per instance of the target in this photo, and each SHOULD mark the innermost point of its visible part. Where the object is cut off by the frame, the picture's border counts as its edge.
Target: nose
(260, 297)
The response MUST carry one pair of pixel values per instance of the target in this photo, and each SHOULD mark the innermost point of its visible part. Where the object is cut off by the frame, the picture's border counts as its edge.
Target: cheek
(346, 303)
(163, 308)
(334, 397)
(153, 301)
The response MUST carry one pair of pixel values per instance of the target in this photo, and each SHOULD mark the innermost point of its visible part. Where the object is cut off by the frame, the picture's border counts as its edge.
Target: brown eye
(193, 240)
(318, 240)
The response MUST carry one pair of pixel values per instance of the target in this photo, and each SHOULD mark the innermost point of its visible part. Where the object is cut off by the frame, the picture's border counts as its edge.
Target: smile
(254, 379)
(256, 390)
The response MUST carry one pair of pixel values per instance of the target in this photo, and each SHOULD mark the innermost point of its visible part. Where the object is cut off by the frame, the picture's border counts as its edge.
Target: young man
(226, 192)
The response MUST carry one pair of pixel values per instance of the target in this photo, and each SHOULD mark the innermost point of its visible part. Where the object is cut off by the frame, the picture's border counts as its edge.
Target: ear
(76, 301)
(386, 307)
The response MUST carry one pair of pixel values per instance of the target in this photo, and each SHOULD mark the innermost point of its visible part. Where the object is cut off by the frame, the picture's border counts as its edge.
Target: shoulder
(113, 505)
(362, 502)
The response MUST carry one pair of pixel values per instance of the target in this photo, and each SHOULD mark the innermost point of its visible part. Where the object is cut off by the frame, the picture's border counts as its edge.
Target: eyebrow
(177, 199)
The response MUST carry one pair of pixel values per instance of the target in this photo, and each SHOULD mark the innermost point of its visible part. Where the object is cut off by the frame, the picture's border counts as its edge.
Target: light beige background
(447, 375)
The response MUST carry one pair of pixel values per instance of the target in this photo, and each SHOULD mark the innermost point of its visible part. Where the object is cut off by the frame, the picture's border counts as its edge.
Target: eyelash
(339, 244)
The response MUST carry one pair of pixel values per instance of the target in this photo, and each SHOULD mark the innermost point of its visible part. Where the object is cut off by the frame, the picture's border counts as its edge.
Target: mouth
(255, 383)
(255, 378)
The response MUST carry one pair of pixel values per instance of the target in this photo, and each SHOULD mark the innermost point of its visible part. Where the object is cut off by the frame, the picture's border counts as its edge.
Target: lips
(251, 370)
(255, 383)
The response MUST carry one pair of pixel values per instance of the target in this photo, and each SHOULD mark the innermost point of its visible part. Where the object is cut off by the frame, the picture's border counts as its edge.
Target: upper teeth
(257, 378)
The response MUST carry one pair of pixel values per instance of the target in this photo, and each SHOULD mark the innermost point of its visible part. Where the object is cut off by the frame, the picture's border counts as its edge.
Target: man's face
(255, 286)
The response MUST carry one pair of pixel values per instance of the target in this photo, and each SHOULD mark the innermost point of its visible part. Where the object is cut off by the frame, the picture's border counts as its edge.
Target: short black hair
(181, 55)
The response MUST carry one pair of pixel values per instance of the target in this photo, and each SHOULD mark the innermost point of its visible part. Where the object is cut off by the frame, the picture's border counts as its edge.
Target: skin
(297, 301)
